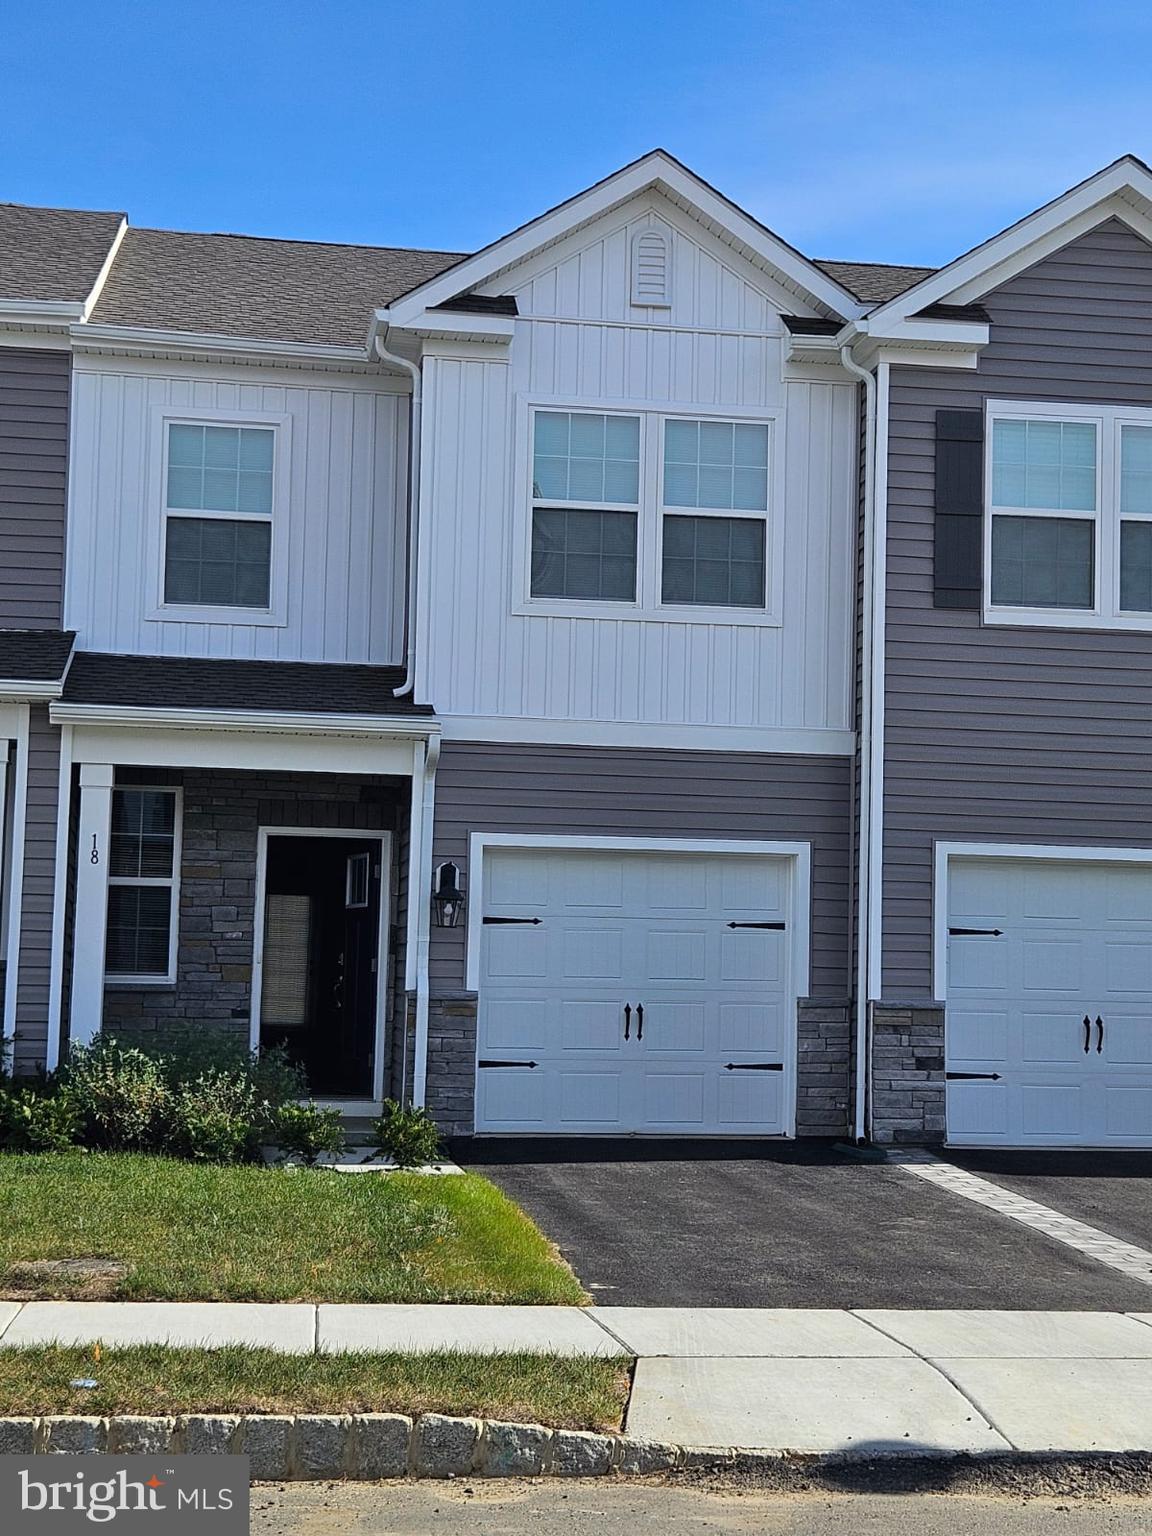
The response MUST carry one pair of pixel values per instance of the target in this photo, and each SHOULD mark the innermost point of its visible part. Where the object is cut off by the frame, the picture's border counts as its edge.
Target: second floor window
(659, 512)
(218, 516)
(1070, 515)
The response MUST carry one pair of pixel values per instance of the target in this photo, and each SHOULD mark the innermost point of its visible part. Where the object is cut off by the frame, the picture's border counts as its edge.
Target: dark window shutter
(959, 533)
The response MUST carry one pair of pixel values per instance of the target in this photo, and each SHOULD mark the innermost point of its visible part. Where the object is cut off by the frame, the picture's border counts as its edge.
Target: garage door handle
(1087, 1033)
(639, 1021)
(627, 1019)
(1100, 1035)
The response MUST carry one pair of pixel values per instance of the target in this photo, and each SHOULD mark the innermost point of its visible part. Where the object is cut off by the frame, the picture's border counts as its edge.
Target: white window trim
(116, 980)
(650, 513)
(276, 614)
(1108, 421)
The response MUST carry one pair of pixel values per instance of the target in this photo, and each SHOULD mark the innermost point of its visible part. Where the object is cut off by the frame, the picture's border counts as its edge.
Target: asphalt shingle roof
(52, 253)
(34, 655)
(191, 682)
(266, 290)
(874, 282)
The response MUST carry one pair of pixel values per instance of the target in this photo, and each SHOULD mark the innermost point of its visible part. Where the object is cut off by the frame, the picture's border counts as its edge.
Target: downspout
(871, 748)
(420, 891)
(413, 371)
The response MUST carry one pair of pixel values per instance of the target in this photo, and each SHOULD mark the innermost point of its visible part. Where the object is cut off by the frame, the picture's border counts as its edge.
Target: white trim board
(14, 904)
(783, 741)
(339, 834)
(943, 852)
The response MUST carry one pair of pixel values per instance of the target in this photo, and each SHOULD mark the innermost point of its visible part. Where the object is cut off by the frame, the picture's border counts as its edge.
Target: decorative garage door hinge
(971, 1077)
(753, 1066)
(484, 1063)
(534, 921)
(780, 926)
(976, 933)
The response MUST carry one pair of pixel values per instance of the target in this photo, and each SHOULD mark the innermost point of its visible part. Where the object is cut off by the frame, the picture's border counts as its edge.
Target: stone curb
(373, 1446)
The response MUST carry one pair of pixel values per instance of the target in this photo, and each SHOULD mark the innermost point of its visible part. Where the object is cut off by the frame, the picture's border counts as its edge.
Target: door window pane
(720, 464)
(1043, 562)
(1044, 464)
(218, 562)
(718, 561)
(581, 456)
(584, 554)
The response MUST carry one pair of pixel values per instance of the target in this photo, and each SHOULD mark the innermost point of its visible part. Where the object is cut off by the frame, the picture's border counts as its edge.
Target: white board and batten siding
(343, 523)
(717, 347)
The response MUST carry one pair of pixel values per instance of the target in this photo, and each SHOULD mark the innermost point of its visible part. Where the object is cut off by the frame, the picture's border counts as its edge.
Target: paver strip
(1130, 1260)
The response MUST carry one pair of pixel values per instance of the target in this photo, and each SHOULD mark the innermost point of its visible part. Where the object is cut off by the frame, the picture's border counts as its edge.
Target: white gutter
(420, 896)
(414, 372)
(869, 929)
(297, 723)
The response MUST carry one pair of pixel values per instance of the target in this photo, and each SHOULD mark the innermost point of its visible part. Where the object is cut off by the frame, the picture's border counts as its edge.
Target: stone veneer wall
(907, 1074)
(221, 816)
(823, 1088)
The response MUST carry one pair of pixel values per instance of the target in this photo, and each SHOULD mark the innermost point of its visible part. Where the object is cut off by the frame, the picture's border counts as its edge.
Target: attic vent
(651, 268)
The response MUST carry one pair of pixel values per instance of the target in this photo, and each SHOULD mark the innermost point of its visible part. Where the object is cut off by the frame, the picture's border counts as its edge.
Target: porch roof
(35, 655)
(188, 682)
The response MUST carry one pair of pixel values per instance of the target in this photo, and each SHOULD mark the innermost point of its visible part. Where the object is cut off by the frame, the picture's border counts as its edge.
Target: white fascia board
(657, 171)
(15, 689)
(446, 325)
(1017, 247)
(39, 311)
(147, 340)
(247, 720)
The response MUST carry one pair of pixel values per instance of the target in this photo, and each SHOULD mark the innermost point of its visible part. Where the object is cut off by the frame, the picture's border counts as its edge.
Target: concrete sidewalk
(872, 1382)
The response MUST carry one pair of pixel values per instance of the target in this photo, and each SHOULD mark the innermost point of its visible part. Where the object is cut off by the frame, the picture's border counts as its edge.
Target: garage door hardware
(505, 921)
(971, 1077)
(639, 1021)
(976, 933)
(779, 926)
(484, 1063)
(753, 1066)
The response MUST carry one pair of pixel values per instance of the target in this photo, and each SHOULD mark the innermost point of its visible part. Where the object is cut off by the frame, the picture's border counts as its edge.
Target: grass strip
(156, 1379)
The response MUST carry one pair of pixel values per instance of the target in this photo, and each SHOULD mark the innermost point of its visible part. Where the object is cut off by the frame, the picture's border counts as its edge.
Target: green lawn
(190, 1232)
(535, 1389)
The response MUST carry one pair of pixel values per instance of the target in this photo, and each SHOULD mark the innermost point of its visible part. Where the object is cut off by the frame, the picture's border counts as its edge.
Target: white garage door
(1049, 1022)
(635, 992)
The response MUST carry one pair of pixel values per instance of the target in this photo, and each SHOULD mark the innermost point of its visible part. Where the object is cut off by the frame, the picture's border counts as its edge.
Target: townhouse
(632, 679)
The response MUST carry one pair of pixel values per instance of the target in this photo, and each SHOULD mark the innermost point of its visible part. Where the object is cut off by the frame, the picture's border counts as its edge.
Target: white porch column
(91, 921)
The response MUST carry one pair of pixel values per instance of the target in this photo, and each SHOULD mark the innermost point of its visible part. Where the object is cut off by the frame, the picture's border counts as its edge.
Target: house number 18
(94, 856)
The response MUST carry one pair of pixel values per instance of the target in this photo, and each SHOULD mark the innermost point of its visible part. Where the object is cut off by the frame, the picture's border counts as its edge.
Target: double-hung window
(218, 504)
(143, 880)
(667, 514)
(1070, 515)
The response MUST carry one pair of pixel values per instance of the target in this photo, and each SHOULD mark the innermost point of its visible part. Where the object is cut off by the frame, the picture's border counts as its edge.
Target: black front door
(321, 958)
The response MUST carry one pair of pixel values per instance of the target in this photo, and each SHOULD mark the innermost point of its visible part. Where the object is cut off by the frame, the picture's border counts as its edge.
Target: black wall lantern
(447, 896)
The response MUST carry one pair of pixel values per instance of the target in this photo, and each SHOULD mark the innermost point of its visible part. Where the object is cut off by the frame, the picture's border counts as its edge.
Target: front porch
(246, 878)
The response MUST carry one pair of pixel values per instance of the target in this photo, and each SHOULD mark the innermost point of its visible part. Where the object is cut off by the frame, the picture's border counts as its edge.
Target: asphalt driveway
(763, 1224)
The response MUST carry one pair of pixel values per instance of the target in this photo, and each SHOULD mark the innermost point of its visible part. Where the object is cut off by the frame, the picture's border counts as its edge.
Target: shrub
(120, 1094)
(216, 1118)
(33, 1121)
(307, 1130)
(408, 1136)
(189, 1053)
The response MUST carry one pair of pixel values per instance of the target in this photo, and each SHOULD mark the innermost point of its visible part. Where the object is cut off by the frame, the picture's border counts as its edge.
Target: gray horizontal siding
(34, 390)
(39, 890)
(638, 792)
(1030, 735)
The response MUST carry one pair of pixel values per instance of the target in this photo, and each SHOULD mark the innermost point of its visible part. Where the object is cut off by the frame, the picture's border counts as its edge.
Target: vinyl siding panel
(39, 889)
(636, 793)
(33, 471)
(1015, 734)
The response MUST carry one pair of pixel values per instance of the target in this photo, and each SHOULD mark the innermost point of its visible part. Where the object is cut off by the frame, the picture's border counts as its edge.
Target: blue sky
(905, 130)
